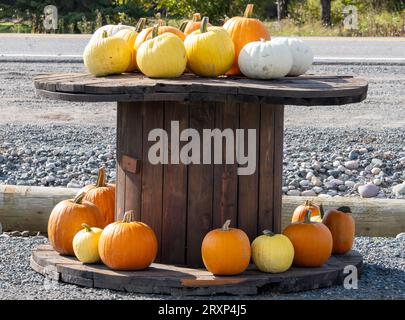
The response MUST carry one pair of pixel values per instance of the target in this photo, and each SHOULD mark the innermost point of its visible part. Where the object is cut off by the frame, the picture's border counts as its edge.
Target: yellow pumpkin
(130, 35)
(85, 244)
(210, 51)
(272, 253)
(163, 56)
(108, 55)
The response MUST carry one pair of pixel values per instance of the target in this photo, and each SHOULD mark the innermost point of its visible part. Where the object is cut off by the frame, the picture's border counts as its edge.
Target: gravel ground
(383, 277)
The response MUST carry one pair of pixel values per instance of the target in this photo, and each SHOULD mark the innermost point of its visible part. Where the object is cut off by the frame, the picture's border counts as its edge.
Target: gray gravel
(383, 278)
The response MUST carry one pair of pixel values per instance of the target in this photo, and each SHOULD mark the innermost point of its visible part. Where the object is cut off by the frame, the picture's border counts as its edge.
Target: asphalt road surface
(328, 49)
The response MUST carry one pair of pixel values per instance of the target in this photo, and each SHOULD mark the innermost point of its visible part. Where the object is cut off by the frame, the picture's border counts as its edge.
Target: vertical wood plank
(174, 219)
(249, 118)
(266, 165)
(225, 198)
(200, 187)
(121, 150)
(133, 136)
(278, 166)
(152, 175)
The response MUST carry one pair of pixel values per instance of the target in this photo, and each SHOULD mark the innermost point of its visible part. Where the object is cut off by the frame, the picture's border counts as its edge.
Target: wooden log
(28, 208)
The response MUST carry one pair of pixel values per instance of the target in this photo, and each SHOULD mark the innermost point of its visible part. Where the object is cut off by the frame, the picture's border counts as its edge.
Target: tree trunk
(282, 9)
(325, 10)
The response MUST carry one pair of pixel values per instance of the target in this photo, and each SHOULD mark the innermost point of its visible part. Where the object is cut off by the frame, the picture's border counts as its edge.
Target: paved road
(331, 49)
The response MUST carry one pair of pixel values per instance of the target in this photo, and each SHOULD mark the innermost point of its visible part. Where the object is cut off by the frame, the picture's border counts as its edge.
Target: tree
(325, 12)
(282, 9)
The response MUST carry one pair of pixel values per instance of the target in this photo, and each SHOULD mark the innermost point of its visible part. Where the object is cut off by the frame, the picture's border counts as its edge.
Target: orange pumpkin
(128, 244)
(226, 251)
(301, 211)
(242, 31)
(192, 25)
(312, 242)
(341, 225)
(146, 33)
(66, 220)
(103, 196)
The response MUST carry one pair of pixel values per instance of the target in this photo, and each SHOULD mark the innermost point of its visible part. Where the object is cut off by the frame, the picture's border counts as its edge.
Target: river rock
(399, 189)
(293, 193)
(308, 193)
(368, 190)
(351, 165)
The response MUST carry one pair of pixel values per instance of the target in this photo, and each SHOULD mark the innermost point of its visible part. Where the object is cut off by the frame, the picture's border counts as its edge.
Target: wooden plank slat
(122, 119)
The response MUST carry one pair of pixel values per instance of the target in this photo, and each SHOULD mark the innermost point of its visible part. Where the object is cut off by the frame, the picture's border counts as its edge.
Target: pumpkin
(312, 242)
(301, 53)
(320, 217)
(127, 244)
(301, 211)
(164, 56)
(341, 225)
(265, 60)
(147, 33)
(192, 25)
(244, 30)
(226, 251)
(66, 220)
(85, 244)
(130, 35)
(210, 51)
(272, 253)
(111, 30)
(108, 55)
(102, 194)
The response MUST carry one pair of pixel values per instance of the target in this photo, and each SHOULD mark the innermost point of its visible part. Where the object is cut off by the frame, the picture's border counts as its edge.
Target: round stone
(368, 190)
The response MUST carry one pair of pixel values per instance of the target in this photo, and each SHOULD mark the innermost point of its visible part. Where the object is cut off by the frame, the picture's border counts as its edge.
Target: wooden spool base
(175, 280)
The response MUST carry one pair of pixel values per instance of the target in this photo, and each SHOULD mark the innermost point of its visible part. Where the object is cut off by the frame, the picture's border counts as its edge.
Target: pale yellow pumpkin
(108, 55)
(85, 244)
(163, 56)
(210, 51)
(272, 253)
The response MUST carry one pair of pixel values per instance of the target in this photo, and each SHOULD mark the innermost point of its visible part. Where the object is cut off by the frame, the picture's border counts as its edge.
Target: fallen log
(28, 208)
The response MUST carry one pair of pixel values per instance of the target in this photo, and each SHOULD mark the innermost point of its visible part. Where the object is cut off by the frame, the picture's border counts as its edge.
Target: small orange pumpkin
(66, 220)
(244, 30)
(301, 211)
(128, 244)
(341, 225)
(226, 251)
(103, 196)
(312, 242)
(192, 25)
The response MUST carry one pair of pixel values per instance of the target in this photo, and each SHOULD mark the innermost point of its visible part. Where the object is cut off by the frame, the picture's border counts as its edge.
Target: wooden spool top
(303, 90)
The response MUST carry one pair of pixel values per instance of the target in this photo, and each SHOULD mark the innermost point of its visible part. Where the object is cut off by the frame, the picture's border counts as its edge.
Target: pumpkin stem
(140, 25)
(268, 233)
(105, 34)
(225, 227)
(160, 23)
(226, 18)
(307, 203)
(155, 31)
(196, 17)
(248, 11)
(308, 216)
(344, 209)
(86, 227)
(322, 212)
(79, 198)
(183, 26)
(101, 178)
(204, 25)
(129, 216)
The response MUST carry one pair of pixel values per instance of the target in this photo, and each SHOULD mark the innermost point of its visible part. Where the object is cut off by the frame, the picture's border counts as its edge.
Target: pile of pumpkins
(241, 45)
(84, 227)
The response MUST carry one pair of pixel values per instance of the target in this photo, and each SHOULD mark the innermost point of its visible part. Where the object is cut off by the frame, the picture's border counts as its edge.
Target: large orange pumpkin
(66, 220)
(127, 244)
(226, 251)
(244, 30)
(193, 24)
(146, 33)
(312, 242)
(301, 211)
(341, 225)
(102, 195)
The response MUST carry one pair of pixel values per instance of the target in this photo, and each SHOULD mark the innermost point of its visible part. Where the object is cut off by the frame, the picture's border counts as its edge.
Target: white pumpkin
(111, 29)
(265, 60)
(302, 55)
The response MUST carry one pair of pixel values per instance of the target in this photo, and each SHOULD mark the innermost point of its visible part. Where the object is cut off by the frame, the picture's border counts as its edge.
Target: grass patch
(9, 27)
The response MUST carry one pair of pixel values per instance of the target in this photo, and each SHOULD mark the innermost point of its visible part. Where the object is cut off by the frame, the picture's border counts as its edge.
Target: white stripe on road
(358, 59)
(23, 55)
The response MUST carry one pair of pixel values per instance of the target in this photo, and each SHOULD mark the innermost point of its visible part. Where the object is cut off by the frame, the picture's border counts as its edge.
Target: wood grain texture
(181, 281)
(303, 90)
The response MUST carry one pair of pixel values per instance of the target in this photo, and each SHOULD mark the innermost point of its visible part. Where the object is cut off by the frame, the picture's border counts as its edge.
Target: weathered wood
(28, 208)
(175, 280)
(303, 90)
